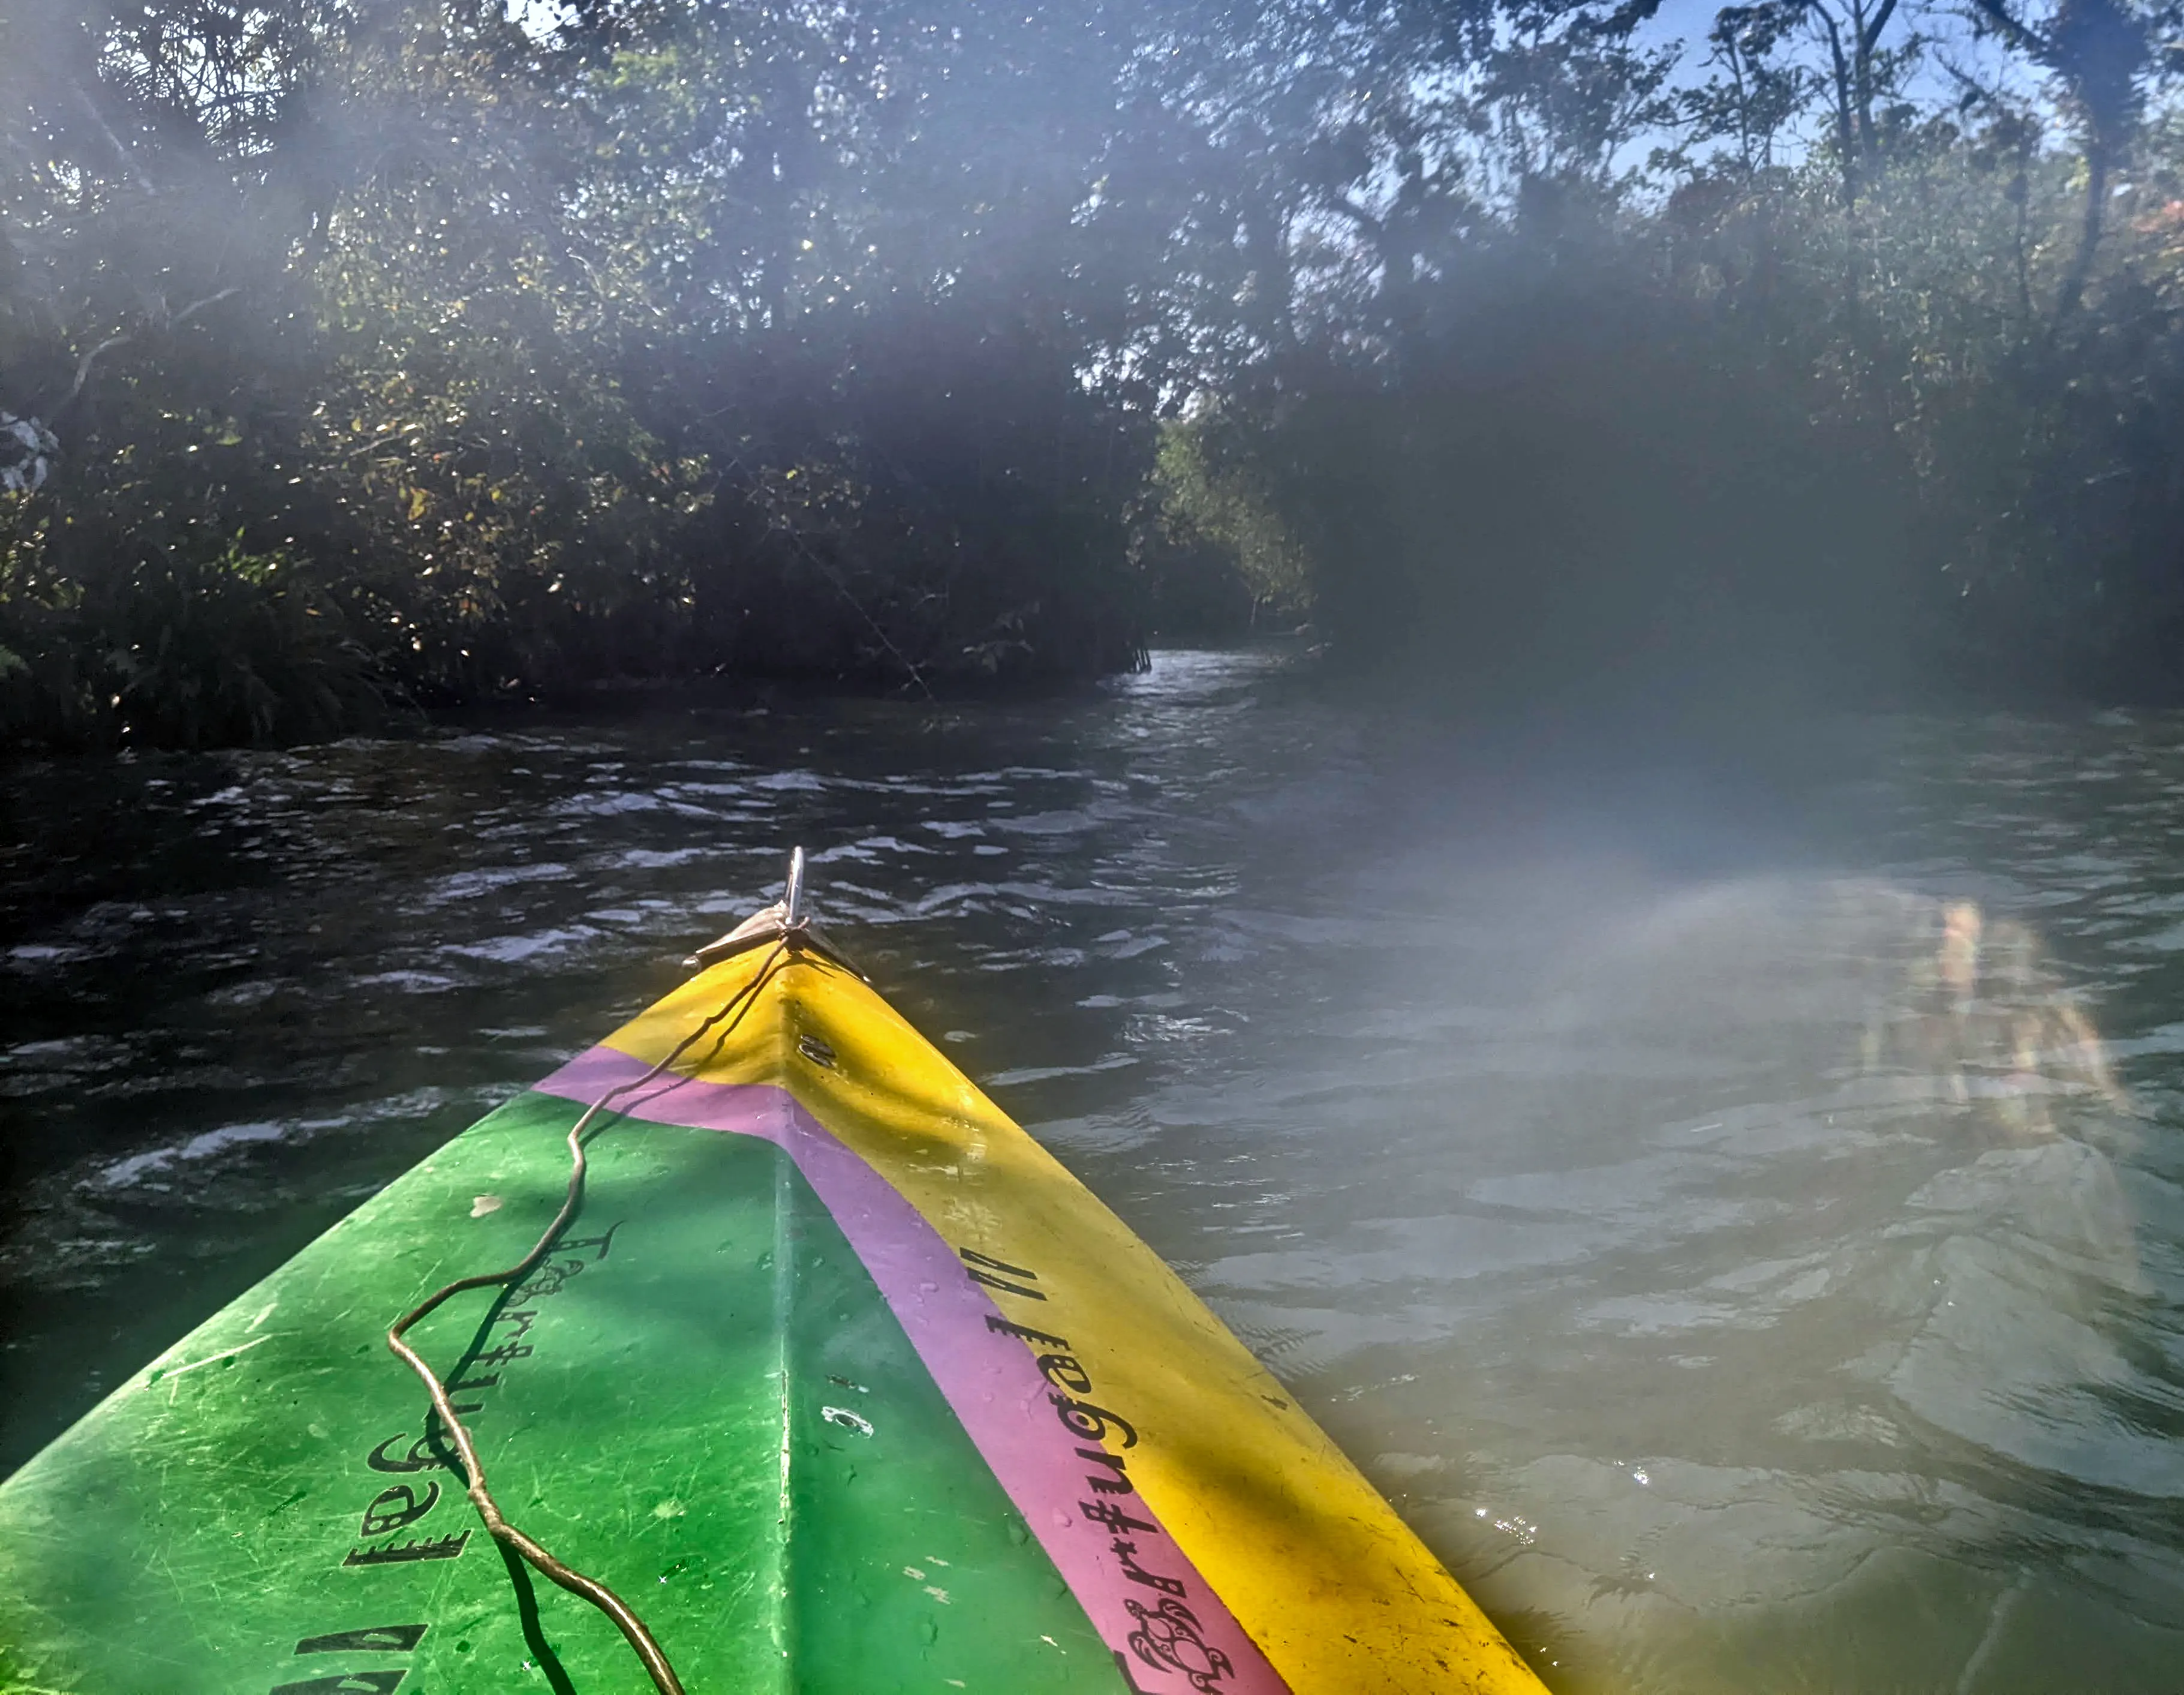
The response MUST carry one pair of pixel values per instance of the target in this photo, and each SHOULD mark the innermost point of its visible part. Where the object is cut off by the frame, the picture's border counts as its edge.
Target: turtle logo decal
(1167, 1639)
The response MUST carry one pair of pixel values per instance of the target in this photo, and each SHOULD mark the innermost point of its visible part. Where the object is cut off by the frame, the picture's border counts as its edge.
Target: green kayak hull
(836, 1378)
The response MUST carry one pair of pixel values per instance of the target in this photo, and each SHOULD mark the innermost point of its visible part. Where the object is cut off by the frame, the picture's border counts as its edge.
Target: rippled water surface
(1738, 1224)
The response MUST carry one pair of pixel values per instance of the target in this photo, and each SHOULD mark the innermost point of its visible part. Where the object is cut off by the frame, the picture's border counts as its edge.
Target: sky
(1689, 21)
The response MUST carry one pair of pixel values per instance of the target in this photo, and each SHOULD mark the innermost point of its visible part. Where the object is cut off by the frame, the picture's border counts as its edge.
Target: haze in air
(1512, 667)
(359, 360)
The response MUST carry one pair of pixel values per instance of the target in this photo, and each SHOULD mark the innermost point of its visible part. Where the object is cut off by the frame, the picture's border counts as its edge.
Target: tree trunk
(2073, 289)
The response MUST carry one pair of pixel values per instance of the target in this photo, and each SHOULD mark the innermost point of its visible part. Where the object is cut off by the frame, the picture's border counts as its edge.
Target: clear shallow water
(1704, 1206)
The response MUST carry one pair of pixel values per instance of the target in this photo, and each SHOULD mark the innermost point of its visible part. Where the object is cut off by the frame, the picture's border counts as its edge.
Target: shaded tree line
(1833, 357)
(358, 355)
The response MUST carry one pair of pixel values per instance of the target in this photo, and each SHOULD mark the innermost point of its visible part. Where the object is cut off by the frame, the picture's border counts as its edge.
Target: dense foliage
(357, 354)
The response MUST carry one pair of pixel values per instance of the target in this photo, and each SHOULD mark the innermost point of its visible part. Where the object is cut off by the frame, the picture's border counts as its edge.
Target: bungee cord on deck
(633, 1629)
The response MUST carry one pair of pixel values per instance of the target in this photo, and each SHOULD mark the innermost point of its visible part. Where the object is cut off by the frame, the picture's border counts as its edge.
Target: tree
(1859, 71)
(1763, 91)
(2096, 51)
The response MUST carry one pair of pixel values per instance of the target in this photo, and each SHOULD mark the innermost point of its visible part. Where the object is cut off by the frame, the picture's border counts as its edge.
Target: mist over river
(1739, 1222)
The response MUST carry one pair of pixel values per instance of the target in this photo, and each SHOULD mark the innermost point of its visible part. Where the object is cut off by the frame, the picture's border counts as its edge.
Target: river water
(1735, 1214)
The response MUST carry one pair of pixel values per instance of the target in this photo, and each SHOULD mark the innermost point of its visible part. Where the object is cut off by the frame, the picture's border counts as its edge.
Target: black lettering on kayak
(602, 1243)
(1063, 1372)
(1002, 1327)
(446, 1549)
(1083, 1419)
(1168, 1638)
(375, 1639)
(974, 1260)
(346, 1683)
(1004, 1285)
(548, 1281)
(396, 1509)
(1125, 1552)
(555, 1275)
(1113, 1517)
(971, 1257)
(1119, 1484)
(421, 1456)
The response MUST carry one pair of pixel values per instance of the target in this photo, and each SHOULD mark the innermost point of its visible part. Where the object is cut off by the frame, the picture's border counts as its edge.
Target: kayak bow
(834, 1377)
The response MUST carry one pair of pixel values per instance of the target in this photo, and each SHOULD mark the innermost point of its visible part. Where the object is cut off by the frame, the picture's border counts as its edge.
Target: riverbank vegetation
(363, 356)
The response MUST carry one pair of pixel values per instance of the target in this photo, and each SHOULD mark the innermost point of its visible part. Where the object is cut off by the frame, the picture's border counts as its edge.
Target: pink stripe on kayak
(989, 1378)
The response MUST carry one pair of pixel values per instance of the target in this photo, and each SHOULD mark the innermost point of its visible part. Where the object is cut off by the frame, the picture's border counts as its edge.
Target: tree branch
(1846, 125)
(83, 369)
(2020, 36)
(195, 307)
(1869, 37)
(127, 159)
(84, 364)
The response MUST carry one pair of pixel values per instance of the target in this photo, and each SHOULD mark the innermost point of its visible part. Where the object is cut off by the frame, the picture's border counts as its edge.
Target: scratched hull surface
(838, 1378)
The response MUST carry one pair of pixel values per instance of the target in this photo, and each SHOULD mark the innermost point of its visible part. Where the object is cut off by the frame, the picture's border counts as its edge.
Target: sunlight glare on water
(1738, 1226)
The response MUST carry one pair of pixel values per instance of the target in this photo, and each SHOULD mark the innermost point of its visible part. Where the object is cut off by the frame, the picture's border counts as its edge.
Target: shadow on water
(1737, 1221)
